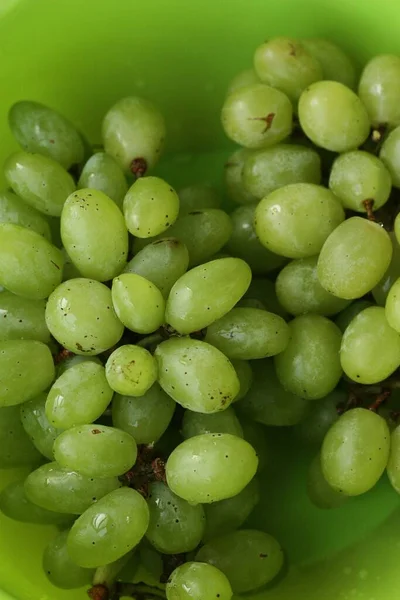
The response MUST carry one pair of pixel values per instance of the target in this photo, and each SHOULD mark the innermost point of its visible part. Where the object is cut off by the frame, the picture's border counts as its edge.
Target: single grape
(101, 172)
(16, 449)
(16, 211)
(242, 80)
(257, 436)
(344, 318)
(60, 569)
(22, 319)
(74, 359)
(234, 183)
(320, 416)
(40, 431)
(139, 304)
(393, 465)
(390, 155)
(319, 491)
(221, 422)
(245, 375)
(336, 65)
(379, 90)
(198, 581)
(131, 370)
(392, 309)
(198, 196)
(15, 505)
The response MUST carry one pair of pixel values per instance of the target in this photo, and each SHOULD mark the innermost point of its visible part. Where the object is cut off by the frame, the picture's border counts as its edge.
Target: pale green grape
(234, 177)
(268, 402)
(94, 234)
(80, 315)
(16, 211)
(230, 514)
(40, 431)
(245, 376)
(60, 569)
(271, 168)
(221, 422)
(29, 265)
(40, 181)
(151, 205)
(26, 369)
(161, 262)
(392, 309)
(175, 525)
(336, 65)
(95, 450)
(359, 176)
(80, 395)
(354, 258)
(295, 220)
(73, 360)
(310, 365)
(66, 491)
(146, 417)
(198, 196)
(211, 467)
(256, 434)
(133, 132)
(262, 294)
(393, 465)
(22, 319)
(299, 290)
(245, 244)
(319, 491)
(242, 79)
(139, 304)
(249, 333)
(15, 505)
(355, 452)
(131, 370)
(198, 581)
(320, 416)
(379, 90)
(38, 128)
(287, 65)
(370, 349)
(344, 318)
(257, 116)
(206, 293)
(70, 271)
(16, 449)
(333, 117)
(108, 529)
(196, 375)
(249, 558)
(102, 172)
(390, 155)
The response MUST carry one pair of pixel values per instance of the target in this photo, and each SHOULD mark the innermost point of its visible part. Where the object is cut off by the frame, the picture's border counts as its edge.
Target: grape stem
(380, 399)
(62, 355)
(369, 205)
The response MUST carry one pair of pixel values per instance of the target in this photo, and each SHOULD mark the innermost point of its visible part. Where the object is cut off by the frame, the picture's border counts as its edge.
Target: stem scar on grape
(268, 121)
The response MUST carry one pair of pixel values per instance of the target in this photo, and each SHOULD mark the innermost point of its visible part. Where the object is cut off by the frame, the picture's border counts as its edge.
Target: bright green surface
(182, 56)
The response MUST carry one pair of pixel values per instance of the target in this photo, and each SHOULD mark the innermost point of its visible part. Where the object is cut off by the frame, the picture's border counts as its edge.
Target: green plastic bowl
(80, 56)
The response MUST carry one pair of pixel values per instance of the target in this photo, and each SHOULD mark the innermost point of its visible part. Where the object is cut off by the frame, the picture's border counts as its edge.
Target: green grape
(393, 465)
(295, 220)
(108, 529)
(70, 271)
(175, 525)
(196, 375)
(151, 205)
(79, 396)
(355, 452)
(234, 177)
(206, 293)
(249, 333)
(262, 294)
(392, 309)
(95, 450)
(133, 133)
(29, 265)
(390, 155)
(94, 234)
(336, 65)
(198, 196)
(38, 128)
(271, 168)
(39, 180)
(198, 581)
(249, 558)
(139, 304)
(245, 376)
(149, 559)
(37, 426)
(161, 262)
(359, 176)
(299, 290)
(242, 80)
(319, 491)
(333, 117)
(354, 258)
(245, 244)
(22, 319)
(146, 417)
(54, 488)
(320, 417)
(211, 467)
(344, 318)
(71, 361)
(230, 514)
(16, 449)
(16, 211)
(268, 402)
(256, 435)
(102, 172)
(60, 569)
(222, 422)
(285, 64)
(370, 349)
(257, 116)
(131, 370)
(26, 369)
(15, 505)
(310, 365)
(80, 315)
(379, 90)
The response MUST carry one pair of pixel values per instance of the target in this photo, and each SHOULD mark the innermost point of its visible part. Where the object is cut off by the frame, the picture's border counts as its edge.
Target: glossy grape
(22, 319)
(336, 65)
(198, 581)
(16, 449)
(138, 303)
(390, 155)
(40, 431)
(225, 421)
(102, 172)
(131, 370)
(14, 210)
(15, 505)
(60, 569)
(379, 90)
(319, 491)
(234, 183)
